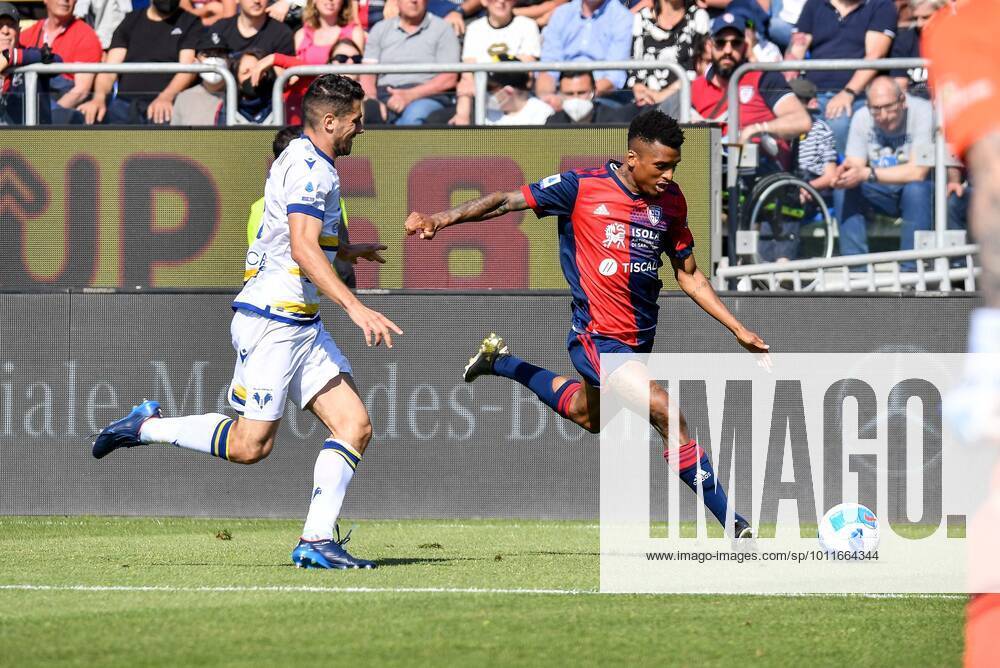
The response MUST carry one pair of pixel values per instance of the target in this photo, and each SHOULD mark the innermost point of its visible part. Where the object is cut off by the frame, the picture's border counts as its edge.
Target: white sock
(205, 433)
(335, 467)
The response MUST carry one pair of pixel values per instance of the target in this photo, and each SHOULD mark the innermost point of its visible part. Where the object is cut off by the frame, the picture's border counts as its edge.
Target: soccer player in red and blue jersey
(615, 224)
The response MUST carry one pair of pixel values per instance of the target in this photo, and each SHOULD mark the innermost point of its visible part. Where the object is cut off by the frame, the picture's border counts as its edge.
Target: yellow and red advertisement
(168, 209)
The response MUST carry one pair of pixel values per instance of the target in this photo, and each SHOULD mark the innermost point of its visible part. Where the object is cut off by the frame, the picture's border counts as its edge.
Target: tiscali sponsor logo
(608, 267)
(639, 267)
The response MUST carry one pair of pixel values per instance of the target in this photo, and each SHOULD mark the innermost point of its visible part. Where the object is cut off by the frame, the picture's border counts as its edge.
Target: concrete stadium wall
(70, 362)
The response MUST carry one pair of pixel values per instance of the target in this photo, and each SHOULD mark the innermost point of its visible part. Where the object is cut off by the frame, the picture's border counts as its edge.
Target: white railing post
(940, 192)
(481, 81)
(31, 98)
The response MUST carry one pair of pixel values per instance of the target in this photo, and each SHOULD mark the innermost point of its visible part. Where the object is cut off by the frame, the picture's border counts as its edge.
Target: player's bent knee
(357, 433)
(659, 413)
(579, 413)
(250, 451)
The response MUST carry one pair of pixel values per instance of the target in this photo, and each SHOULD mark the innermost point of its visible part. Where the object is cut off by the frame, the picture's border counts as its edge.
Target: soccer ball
(849, 527)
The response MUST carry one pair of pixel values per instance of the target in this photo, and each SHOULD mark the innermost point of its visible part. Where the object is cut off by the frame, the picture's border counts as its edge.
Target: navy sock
(538, 380)
(712, 491)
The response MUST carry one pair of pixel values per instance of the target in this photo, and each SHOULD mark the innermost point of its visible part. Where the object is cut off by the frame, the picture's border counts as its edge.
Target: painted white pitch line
(423, 590)
(570, 524)
(298, 588)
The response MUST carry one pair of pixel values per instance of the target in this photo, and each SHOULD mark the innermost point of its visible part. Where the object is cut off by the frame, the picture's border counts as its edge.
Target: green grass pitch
(224, 592)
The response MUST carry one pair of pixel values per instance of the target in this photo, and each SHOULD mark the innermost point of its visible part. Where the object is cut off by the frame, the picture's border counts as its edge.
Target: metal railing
(32, 72)
(480, 72)
(732, 174)
(834, 274)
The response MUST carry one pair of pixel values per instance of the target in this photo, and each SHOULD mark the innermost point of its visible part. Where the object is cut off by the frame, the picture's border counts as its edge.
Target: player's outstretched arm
(304, 231)
(697, 286)
(484, 208)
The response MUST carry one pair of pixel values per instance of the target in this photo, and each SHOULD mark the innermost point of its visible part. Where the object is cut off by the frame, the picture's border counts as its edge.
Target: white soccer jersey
(302, 180)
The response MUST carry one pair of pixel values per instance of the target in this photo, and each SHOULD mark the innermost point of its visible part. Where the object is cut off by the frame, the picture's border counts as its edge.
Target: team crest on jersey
(614, 235)
(654, 213)
(550, 180)
(262, 397)
(746, 94)
(309, 187)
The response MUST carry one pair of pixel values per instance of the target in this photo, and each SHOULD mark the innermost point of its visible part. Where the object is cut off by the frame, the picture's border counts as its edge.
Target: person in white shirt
(103, 15)
(511, 101)
(497, 34)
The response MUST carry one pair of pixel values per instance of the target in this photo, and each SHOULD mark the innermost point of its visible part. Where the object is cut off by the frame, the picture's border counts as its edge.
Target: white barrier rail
(480, 72)
(32, 72)
(834, 274)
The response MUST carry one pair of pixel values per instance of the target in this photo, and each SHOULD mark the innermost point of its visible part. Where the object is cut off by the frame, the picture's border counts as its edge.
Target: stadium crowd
(806, 129)
(257, 39)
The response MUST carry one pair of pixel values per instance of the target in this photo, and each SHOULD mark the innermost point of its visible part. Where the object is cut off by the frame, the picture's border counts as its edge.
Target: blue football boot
(124, 433)
(328, 553)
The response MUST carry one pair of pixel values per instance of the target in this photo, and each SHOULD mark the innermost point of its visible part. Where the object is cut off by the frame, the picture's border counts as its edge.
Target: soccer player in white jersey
(283, 351)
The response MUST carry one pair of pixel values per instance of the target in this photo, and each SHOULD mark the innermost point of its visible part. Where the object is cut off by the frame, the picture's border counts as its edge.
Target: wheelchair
(786, 218)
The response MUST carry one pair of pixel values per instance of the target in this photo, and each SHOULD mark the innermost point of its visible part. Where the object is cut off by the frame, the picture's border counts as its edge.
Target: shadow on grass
(412, 561)
(387, 561)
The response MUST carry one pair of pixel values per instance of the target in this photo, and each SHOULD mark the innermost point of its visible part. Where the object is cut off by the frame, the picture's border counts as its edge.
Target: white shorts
(276, 362)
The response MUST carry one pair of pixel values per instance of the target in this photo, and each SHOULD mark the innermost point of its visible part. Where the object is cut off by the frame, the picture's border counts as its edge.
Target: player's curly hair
(330, 93)
(656, 126)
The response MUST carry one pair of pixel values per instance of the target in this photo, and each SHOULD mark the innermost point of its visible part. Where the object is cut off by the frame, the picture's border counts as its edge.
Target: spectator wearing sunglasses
(344, 52)
(324, 24)
(767, 103)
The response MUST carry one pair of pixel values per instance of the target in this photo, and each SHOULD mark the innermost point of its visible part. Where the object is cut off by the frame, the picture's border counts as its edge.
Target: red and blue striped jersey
(610, 246)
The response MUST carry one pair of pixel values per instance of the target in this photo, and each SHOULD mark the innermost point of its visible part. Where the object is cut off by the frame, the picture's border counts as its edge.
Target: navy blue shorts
(585, 352)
